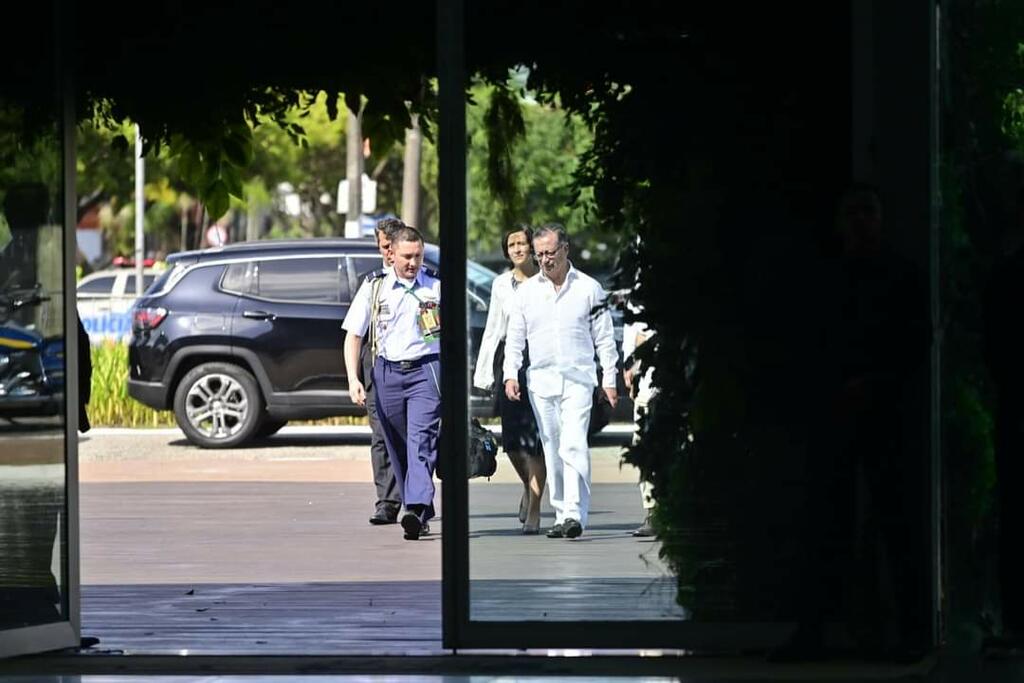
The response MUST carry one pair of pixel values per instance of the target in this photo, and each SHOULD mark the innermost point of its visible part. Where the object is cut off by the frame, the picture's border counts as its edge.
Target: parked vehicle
(105, 300)
(237, 340)
(31, 365)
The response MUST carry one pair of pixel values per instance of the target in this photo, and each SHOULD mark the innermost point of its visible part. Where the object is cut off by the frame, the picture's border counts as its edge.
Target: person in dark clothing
(84, 376)
(389, 495)
(1004, 349)
(862, 531)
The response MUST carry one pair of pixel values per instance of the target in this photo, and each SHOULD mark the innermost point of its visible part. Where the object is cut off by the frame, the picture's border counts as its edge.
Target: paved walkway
(276, 538)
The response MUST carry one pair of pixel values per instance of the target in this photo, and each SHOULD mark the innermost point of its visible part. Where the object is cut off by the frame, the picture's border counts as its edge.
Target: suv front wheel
(218, 405)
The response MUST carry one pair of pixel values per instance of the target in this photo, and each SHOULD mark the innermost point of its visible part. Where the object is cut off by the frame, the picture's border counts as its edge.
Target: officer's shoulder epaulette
(376, 274)
(431, 272)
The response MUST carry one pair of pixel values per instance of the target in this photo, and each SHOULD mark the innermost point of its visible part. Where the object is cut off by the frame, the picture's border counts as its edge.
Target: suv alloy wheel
(218, 405)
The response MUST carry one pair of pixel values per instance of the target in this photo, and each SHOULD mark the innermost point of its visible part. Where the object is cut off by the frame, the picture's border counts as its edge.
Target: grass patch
(111, 406)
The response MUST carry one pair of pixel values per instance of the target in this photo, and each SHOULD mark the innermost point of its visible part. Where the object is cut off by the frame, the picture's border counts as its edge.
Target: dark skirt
(518, 423)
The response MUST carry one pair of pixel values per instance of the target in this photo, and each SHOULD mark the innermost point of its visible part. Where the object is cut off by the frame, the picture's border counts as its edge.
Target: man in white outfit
(554, 313)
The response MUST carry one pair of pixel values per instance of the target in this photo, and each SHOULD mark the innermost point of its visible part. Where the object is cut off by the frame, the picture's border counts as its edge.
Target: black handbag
(482, 458)
(483, 451)
(600, 412)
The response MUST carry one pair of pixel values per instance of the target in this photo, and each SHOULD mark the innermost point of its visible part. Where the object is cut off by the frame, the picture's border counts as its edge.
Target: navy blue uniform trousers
(408, 397)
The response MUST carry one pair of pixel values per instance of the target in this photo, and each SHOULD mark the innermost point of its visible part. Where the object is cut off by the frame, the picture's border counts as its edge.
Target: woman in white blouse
(519, 436)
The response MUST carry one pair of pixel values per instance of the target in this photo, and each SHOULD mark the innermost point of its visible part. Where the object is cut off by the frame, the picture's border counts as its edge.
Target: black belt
(410, 364)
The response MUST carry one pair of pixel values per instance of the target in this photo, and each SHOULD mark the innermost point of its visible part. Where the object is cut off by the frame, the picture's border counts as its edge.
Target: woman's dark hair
(519, 227)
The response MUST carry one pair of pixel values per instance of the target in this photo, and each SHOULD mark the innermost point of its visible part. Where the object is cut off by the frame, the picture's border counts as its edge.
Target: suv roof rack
(288, 244)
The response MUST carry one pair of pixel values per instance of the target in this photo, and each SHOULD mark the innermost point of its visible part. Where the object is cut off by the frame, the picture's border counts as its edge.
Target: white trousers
(563, 422)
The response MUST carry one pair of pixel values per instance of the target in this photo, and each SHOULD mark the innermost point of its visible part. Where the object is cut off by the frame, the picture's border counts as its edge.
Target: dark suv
(238, 340)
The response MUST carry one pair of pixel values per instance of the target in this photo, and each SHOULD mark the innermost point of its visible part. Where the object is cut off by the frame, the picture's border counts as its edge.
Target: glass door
(642, 155)
(38, 405)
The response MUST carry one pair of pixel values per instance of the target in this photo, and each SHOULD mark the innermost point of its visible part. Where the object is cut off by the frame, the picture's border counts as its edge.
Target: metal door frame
(459, 630)
(63, 634)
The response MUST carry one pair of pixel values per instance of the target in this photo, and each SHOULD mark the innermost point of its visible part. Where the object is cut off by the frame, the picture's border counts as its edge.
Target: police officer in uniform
(404, 318)
(389, 496)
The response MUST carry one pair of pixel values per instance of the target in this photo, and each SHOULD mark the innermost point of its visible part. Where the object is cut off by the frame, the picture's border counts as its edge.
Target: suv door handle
(258, 315)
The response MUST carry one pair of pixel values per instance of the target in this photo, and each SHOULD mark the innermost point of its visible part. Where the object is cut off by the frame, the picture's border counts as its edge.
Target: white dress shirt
(562, 331)
(502, 289)
(398, 332)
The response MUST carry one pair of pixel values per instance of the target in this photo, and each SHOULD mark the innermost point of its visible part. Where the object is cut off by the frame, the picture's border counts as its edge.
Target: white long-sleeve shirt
(562, 331)
(494, 331)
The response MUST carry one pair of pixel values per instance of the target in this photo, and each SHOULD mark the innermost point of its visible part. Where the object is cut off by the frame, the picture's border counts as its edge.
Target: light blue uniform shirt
(398, 332)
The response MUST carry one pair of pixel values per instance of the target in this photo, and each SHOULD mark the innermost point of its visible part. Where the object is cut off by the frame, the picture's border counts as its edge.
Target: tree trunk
(411, 174)
(354, 174)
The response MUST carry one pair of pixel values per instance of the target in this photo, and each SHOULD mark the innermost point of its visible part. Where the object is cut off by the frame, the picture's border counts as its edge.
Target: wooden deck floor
(355, 618)
(381, 618)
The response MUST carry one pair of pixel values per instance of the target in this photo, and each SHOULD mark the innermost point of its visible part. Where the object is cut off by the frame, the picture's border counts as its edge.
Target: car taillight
(148, 318)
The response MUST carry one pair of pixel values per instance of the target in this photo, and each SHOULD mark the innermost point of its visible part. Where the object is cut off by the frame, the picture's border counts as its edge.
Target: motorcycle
(32, 366)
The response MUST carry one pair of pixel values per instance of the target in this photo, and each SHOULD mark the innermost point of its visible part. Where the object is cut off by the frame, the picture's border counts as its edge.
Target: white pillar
(140, 210)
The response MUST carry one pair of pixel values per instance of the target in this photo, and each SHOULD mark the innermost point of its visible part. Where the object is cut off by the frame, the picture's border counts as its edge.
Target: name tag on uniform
(429, 321)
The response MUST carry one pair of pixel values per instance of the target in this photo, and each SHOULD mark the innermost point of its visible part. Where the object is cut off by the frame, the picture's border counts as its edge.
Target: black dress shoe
(425, 529)
(556, 532)
(383, 517)
(571, 528)
(412, 526)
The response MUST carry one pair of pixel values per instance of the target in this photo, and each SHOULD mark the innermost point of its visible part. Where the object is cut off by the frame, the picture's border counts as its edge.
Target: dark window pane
(238, 277)
(364, 265)
(147, 280)
(101, 285)
(301, 279)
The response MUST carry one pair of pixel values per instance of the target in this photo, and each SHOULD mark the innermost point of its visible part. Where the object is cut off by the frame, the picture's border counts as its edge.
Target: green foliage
(110, 405)
(983, 127)
(504, 126)
(29, 153)
(522, 157)
(302, 146)
(213, 154)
